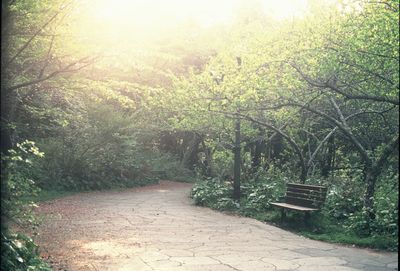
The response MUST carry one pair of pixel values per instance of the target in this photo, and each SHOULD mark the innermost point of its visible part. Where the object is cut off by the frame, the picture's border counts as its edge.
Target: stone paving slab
(159, 228)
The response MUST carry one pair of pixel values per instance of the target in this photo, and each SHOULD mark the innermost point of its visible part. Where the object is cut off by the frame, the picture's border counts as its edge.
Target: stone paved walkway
(158, 228)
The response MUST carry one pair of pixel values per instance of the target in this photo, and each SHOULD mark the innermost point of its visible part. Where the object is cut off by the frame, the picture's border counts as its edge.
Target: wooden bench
(302, 197)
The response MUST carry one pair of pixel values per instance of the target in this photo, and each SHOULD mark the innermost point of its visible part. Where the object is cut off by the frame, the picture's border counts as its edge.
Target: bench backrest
(312, 196)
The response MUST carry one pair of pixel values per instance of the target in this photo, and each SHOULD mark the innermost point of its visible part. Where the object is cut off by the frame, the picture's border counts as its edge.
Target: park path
(158, 228)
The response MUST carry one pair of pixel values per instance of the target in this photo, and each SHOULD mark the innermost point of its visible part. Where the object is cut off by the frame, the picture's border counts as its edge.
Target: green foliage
(98, 151)
(166, 167)
(214, 193)
(260, 194)
(20, 253)
(18, 182)
(256, 195)
(386, 210)
(341, 236)
(385, 220)
(343, 199)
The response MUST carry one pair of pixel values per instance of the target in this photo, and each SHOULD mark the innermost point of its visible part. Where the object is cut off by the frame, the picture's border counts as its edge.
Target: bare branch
(67, 69)
(23, 47)
(312, 157)
(389, 149)
(346, 127)
(46, 62)
(20, 50)
(334, 88)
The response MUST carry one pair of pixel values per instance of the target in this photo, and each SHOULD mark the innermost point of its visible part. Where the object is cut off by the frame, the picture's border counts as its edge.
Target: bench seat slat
(318, 198)
(302, 202)
(306, 186)
(308, 191)
(294, 207)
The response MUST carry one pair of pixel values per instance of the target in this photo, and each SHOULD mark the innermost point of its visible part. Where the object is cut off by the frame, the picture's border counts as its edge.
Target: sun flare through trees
(240, 97)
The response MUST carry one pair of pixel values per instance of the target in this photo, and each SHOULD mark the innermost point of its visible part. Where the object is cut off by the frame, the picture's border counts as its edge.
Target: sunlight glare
(285, 9)
(203, 12)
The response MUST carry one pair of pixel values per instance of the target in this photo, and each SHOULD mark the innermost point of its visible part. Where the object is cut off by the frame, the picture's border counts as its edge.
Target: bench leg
(283, 214)
(306, 218)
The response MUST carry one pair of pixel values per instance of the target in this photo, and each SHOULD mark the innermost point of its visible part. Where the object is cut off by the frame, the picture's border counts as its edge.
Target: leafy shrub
(263, 187)
(386, 206)
(20, 253)
(260, 194)
(103, 150)
(18, 183)
(213, 193)
(344, 198)
(385, 222)
(345, 204)
(217, 194)
(223, 163)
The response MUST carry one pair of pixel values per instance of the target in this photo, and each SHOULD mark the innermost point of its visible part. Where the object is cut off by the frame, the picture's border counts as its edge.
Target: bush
(104, 150)
(343, 200)
(217, 194)
(17, 183)
(385, 220)
(259, 195)
(213, 193)
(20, 253)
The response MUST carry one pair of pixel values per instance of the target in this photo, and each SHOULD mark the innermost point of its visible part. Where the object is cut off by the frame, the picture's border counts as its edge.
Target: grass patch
(323, 229)
(349, 238)
(320, 228)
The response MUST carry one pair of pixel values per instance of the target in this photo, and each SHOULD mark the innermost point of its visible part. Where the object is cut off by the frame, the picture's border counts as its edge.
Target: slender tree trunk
(236, 172)
(373, 171)
(5, 132)
(208, 163)
(6, 142)
(256, 155)
(327, 165)
(190, 154)
(370, 181)
(303, 173)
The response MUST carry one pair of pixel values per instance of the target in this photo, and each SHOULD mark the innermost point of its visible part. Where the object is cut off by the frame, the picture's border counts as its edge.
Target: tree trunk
(236, 169)
(256, 155)
(208, 163)
(370, 181)
(303, 173)
(6, 132)
(372, 172)
(327, 162)
(190, 155)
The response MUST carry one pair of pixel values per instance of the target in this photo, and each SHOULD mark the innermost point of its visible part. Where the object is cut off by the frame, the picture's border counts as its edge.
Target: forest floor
(158, 228)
